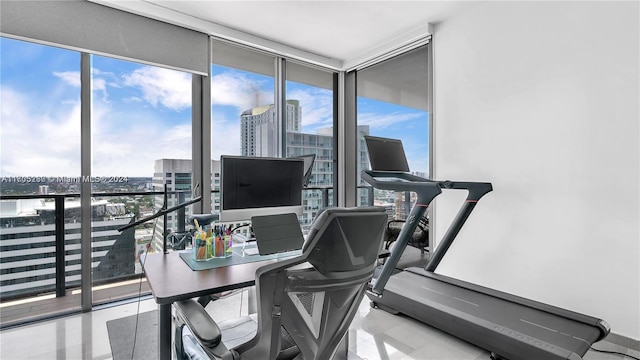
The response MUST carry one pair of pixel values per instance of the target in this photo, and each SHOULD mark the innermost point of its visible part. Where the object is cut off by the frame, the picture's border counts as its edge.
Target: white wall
(542, 100)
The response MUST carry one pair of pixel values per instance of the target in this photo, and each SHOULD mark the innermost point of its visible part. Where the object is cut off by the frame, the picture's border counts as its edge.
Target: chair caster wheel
(373, 304)
(494, 356)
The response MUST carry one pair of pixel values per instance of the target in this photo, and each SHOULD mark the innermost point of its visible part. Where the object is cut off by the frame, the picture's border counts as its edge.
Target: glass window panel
(310, 121)
(40, 116)
(243, 118)
(39, 155)
(141, 130)
(392, 102)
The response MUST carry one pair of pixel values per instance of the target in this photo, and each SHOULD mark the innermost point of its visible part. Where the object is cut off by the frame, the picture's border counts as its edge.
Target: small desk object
(171, 279)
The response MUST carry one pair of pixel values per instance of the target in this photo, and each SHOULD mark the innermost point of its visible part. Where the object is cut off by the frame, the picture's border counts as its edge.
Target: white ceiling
(338, 34)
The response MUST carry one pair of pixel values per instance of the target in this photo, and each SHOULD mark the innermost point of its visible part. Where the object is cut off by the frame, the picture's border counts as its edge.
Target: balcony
(40, 253)
(40, 249)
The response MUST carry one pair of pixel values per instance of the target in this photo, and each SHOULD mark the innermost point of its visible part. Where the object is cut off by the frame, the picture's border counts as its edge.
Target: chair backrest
(313, 298)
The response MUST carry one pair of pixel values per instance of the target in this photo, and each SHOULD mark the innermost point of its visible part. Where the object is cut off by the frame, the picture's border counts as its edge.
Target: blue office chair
(305, 304)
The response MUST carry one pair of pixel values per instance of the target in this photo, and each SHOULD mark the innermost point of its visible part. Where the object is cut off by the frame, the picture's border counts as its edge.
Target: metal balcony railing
(18, 256)
(19, 252)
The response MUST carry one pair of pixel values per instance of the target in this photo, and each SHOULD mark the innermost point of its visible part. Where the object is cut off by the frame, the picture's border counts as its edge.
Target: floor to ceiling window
(243, 112)
(392, 102)
(81, 138)
(310, 130)
(39, 169)
(141, 141)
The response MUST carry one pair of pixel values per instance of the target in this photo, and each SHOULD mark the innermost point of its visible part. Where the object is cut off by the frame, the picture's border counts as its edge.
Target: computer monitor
(258, 186)
(386, 154)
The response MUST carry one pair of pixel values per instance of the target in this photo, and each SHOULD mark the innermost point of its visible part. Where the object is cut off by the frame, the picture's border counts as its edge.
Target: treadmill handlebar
(405, 182)
(410, 182)
(426, 191)
(476, 189)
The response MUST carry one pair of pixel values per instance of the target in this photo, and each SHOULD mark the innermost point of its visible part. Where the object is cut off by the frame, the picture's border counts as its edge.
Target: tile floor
(374, 335)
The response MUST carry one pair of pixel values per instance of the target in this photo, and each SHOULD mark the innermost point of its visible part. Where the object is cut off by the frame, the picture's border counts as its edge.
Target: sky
(141, 113)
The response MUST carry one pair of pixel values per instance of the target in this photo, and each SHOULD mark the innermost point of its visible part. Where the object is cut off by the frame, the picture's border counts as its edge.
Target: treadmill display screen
(386, 154)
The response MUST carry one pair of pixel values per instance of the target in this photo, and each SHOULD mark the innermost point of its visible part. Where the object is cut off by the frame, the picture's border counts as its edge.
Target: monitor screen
(257, 186)
(386, 154)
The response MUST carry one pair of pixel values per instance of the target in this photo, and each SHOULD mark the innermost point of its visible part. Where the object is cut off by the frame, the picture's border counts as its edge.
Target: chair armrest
(201, 325)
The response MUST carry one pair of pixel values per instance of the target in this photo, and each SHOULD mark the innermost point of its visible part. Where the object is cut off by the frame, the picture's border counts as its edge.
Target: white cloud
(44, 140)
(132, 99)
(69, 77)
(178, 134)
(101, 85)
(316, 105)
(37, 143)
(169, 88)
(72, 78)
(237, 90)
(133, 153)
(128, 143)
(381, 121)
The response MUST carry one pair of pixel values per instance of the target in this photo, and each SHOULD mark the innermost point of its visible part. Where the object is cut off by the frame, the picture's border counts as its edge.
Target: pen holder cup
(222, 246)
(202, 246)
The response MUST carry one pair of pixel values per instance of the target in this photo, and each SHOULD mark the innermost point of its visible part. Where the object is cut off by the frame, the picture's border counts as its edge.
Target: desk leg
(164, 332)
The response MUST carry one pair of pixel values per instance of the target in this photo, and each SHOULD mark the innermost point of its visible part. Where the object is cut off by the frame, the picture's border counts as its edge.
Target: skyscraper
(175, 176)
(259, 128)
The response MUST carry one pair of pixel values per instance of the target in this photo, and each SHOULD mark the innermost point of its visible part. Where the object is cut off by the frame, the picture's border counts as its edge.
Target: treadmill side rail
(602, 325)
(500, 325)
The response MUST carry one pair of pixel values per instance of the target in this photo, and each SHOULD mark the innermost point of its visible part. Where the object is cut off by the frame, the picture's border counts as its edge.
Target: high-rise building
(259, 128)
(174, 177)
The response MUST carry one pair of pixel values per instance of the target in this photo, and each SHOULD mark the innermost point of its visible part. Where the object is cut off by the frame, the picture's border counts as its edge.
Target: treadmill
(508, 326)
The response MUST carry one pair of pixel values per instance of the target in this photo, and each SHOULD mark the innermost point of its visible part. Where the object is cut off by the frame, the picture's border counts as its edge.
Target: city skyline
(142, 113)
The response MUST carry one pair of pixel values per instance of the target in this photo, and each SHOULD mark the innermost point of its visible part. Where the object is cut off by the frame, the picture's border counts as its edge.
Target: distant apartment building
(28, 240)
(174, 177)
